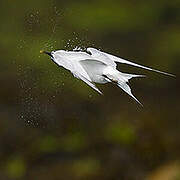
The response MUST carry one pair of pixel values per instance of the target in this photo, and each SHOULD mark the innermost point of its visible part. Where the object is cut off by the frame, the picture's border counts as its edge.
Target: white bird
(95, 66)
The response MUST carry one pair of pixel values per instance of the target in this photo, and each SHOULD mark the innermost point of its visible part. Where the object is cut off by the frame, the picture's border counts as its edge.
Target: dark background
(53, 126)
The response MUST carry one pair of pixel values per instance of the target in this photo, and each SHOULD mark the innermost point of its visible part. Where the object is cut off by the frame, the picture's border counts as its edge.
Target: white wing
(87, 82)
(74, 66)
(120, 60)
(93, 67)
(100, 56)
(68, 62)
(73, 55)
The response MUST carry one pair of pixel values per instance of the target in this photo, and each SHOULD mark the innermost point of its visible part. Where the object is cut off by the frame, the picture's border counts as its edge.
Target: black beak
(45, 52)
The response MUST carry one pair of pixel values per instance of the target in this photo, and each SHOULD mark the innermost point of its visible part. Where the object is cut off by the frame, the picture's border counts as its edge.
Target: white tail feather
(129, 76)
(121, 79)
(127, 89)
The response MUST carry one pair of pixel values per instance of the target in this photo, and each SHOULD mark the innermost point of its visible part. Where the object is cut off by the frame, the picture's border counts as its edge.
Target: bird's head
(45, 52)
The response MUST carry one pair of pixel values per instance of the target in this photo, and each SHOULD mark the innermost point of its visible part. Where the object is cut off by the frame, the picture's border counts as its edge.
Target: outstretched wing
(100, 56)
(93, 67)
(120, 60)
(79, 76)
(71, 65)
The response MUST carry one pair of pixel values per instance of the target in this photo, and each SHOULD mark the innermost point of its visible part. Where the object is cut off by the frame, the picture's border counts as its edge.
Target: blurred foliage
(16, 167)
(53, 126)
(120, 133)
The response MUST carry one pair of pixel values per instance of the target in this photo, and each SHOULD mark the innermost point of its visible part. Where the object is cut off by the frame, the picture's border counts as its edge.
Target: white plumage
(95, 66)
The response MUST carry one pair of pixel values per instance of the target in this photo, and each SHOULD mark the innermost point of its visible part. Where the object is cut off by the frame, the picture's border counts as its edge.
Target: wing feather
(120, 60)
(100, 56)
(88, 82)
(75, 67)
(71, 65)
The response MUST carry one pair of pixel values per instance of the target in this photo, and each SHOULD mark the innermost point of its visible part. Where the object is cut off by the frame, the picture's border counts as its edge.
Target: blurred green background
(53, 126)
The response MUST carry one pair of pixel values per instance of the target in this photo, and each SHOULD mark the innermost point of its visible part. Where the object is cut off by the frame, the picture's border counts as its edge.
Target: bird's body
(95, 66)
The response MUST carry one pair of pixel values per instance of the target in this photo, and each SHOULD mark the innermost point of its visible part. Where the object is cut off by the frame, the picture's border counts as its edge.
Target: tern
(94, 66)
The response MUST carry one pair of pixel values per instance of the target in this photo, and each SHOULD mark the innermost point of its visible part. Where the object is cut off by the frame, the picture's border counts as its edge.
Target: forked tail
(124, 86)
(122, 79)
